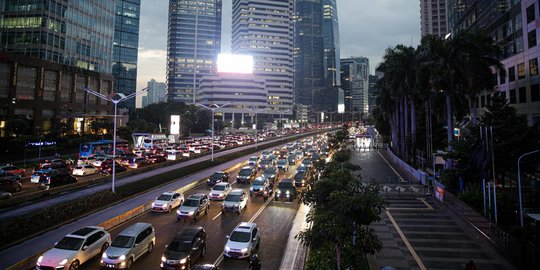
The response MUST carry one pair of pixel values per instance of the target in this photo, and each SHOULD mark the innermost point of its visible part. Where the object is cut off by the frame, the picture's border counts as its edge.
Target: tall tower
(355, 79)
(434, 18)
(264, 30)
(331, 53)
(193, 43)
(308, 53)
(126, 45)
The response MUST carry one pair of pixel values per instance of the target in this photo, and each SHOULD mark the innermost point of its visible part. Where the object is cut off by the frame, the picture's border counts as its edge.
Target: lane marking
(406, 241)
(400, 178)
(217, 216)
(427, 204)
(423, 200)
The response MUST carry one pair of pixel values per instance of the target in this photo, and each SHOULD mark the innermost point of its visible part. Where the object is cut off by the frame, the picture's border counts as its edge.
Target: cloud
(151, 65)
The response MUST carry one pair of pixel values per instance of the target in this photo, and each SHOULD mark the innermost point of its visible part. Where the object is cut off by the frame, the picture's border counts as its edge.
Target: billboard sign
(235, 63)
(175, 125)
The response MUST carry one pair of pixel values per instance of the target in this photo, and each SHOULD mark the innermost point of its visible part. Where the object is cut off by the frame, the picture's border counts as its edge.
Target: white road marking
(400, 178)
(406, 241)
(217, 216)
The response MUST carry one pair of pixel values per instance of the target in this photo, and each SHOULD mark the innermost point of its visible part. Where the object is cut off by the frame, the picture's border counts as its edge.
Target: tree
(19, 127)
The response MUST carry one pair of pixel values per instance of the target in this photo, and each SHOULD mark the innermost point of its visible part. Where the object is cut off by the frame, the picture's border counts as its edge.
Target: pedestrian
(470, 266)
(254, 263)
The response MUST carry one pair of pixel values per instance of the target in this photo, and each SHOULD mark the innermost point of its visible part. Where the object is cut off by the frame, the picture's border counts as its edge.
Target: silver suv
(243, 241)
(236, 201)
(129, 245)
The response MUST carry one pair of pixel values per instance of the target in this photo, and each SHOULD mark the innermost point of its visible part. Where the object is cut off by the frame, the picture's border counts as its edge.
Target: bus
(102, 147)
(150, 140)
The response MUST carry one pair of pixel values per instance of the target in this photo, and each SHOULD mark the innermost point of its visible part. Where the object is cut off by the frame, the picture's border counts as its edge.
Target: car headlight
(227, 248)
(244, 250)
(191, 213)
(184, 260)
(122, 258)
(63, 262)
(40, 259)
(164, 205)
(251, 188)
(287, 192)
(279, 191)
(163, 259)
(178, 212)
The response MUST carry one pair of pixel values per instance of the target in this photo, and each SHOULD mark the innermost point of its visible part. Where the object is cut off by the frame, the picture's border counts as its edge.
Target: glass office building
(193, 43)
(75, 33)
(126, 44)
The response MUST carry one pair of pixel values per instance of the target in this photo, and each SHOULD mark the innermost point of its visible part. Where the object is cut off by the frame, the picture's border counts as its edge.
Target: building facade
(264, 30)
(515, 25)
(331, 61)
(156, 93)
(434, 18)
(355, 83)
(372, 93)
(75, 33)
(193, 43)
(308, 53)
(126, 45)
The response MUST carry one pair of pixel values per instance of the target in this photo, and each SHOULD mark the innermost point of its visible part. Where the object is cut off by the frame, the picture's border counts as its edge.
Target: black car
(10, 182)
(185, 249)
(286, 190)
(300, 179)
(107, 168)
(60, 167)
(156, 158)
(49, 180)
(246, 175)
(217, 177)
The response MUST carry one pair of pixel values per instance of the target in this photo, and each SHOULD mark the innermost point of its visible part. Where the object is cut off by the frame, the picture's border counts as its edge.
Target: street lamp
(519, 186)
(111, 98)
(255, 111)
(212, 107)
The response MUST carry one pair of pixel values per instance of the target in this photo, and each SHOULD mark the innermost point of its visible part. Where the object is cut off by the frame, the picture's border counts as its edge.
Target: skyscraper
(264, 30)
(193, 42)
(126, 44)
(331, 55)
(433, 17)
(355, 79)
(156, 93)
(308, 53)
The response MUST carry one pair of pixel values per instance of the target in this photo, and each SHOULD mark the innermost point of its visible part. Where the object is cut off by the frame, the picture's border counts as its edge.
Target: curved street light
(212, 107)
(255, 111)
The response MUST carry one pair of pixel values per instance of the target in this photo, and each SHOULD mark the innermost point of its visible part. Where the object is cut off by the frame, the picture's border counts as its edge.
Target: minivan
(129, 245)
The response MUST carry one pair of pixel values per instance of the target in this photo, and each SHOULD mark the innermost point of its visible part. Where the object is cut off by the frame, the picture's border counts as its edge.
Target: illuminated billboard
(175, 124)
(235, 63)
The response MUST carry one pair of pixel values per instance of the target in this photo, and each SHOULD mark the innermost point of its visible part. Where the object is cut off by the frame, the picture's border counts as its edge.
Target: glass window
(502, 77)
(512, 74)
(4, 79)
(49, 85)
(522, 95)
(530, 13)
(533, 66)
(532, 38)
(65, 88)
(80, 82)
(512, 96)
(482, 101)
(521, 71)
(535, 92)
(26, 82)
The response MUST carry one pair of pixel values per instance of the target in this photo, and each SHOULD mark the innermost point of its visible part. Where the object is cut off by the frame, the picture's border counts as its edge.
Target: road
(218, 226)
(416, 231)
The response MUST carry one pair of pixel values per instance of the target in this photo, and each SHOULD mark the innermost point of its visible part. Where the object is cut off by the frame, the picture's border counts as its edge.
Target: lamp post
(111, 98)
(212, 107)
(519, 186)
(255, 111)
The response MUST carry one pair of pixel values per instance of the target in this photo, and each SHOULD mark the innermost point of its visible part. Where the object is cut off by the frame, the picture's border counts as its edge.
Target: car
(86, 160)
(138, 162)
(185, 249)
(107, 168)
(13, 170)
(34, 178)
(59, 167)
(53, 179)
(236, 201)
(300, 179)
(167, 201)
(283, 165)
(307, 162)
(75, 249)
(156, 159)
(291, 159)
(99, 160)
(261, 186)
(252, 161)
(246, 175)
(244, 240)
(265, 154)
(315, 157)
(5, 195)
(83, 170)
(10, 182)
(194, 206)
(286, 189)
(220, 191)
(271, 174)
(265, 163)
(302, 168)
(217, 177)
(129, 245)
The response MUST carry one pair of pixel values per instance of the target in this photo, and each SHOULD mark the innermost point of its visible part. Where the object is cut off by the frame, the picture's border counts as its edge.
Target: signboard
(46, 143)
(235, 63)
(439, 191)
(175, 125)
(457, 132)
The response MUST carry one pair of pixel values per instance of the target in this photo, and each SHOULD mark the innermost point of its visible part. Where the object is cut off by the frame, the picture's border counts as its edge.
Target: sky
(367, 28)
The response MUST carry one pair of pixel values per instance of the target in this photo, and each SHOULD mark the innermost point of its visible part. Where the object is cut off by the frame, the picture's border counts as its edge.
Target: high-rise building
(308, 53)
(515, 25)
(156, 93)
(193, 43)
(74, 33)
(355, 83)
(433, 17)
(331, 61)
(126, 44)
(372, 92)
(264, 30)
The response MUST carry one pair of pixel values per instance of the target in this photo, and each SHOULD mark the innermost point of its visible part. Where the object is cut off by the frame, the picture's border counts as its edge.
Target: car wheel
(74, 265)
(206, 211)
(129, 263)
(203, 251)
(17, 189)
(150, 247)
(169, 209)
(104, 247)
(22, 174)
(83, 174)
(276, 198)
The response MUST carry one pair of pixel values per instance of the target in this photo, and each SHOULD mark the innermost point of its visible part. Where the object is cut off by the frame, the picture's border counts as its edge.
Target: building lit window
(533, 66)
(521, 71)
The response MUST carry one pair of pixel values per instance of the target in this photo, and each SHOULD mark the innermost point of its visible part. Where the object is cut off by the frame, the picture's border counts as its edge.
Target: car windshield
(37, 173)
(164, 197)
(232, 198)
(70, 243)
(258, 182)
(270, 171)
(123, 241)
(191, 202)
(285, 185)
(78, 167)
(219, 187)
(181, 246)
(306, 161)
(245, 172)
(237, 236)
(216, 176)
(266, 161)
(299, 176)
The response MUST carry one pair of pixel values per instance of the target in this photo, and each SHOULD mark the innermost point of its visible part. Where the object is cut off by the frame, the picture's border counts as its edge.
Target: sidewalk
(295, 252)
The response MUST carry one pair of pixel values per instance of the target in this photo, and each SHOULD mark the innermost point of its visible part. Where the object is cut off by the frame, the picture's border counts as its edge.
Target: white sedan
(84, 169)
(167, 201)
(220, 191)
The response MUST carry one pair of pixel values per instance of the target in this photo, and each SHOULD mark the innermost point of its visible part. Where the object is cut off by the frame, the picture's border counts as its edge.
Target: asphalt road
(274, 219)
